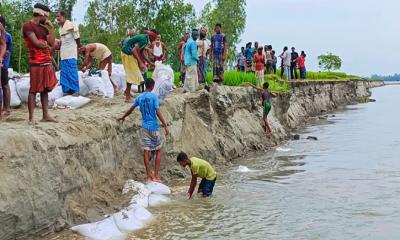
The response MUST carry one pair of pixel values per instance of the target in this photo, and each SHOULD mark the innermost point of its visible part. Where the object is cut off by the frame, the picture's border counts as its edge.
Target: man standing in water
(70, 42)
(199, 169)
(150, 134)
(219, 49)
(39, 38)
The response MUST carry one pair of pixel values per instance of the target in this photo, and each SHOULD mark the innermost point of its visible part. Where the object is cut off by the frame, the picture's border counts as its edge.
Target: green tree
(231, 14)
(329, 62)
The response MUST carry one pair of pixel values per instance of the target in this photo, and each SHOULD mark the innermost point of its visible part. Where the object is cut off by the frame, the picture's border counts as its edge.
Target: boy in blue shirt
(150, 134)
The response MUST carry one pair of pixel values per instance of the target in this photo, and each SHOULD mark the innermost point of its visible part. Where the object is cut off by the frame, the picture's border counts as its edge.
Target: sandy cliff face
(74, 170)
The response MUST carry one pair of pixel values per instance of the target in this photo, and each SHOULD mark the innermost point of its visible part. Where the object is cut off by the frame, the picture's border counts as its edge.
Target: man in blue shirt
(190, 58)
(4, 70)
(150, 134)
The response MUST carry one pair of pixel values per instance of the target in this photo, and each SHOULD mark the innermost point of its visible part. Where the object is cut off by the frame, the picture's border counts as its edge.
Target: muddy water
(346, 185)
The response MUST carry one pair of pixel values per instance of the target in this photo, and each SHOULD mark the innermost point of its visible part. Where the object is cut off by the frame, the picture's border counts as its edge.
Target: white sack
(158, 188)
(157, 199)
(132, 218)
(95, 85)
(163, 76)
(15, 101)
(23, 86)
(102, 230)
(108, 87)
(72, 102)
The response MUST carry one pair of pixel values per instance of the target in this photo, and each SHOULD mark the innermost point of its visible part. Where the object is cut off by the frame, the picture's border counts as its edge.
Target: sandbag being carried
(102, 230)
(23, 86)
(163, 76)
(157, 199)
(158, 188)
(72, 102)
(15, 101)
(132, 218)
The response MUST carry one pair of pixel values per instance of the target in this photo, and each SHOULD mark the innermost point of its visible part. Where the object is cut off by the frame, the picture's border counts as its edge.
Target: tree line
(107, 22)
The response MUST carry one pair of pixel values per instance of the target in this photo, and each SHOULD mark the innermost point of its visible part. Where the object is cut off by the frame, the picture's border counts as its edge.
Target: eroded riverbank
(57, 167)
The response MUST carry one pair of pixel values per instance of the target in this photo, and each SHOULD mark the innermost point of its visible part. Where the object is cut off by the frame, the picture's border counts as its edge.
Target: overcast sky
(362, 32)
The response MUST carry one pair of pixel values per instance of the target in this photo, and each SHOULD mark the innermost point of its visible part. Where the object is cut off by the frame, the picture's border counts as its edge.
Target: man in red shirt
(39, 38)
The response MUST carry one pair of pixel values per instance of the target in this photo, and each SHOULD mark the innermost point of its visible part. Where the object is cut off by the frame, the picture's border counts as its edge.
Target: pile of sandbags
(163, 76)
(130, 219)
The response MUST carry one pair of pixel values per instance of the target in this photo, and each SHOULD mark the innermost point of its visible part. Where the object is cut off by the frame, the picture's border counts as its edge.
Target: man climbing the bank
(150, 134)
(266, 96)
(39, 38)
(134, 59)
(70, 42)
(199, 169)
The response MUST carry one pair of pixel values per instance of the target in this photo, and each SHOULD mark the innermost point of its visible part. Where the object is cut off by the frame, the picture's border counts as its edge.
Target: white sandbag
(95, 85)
(118, 76)
(109, 89)
(10, 73)
(23, 86)
(141, 213)
(158, 188)
(72, 102)
(142, 193)
(132, 218)
(102, 230)
(15, 101)
(157, 199)
(163, 76)
(83, 88)
(55, 94)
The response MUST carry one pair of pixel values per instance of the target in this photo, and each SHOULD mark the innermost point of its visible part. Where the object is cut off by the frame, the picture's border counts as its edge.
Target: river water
(346, 185)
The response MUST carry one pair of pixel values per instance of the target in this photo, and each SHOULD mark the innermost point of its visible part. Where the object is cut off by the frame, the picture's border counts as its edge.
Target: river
(346, 185)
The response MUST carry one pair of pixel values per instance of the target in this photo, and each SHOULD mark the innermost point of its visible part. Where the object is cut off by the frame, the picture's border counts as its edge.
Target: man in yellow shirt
(202, 169)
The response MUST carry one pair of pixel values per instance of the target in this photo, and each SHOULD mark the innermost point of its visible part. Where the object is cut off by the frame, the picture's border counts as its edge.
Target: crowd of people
(263, 60)
(139, 52)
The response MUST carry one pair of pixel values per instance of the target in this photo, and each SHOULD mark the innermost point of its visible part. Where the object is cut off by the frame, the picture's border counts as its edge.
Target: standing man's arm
(212, 48)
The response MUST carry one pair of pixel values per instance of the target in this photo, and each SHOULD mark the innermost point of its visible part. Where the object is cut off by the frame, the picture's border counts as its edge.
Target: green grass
(326, 75)
(276, 84)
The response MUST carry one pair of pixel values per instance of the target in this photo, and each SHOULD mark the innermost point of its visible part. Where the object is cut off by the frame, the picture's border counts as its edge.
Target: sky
(364, 33)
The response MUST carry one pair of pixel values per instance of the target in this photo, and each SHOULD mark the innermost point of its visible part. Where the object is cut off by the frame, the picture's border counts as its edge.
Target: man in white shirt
(203, 46)
(70, 42)
(286, 58)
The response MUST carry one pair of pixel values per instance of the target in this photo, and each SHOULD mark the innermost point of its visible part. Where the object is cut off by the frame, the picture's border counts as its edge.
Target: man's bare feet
(49, 119)
(150, 178)
(32, 122)
(128, 97)
(6, 113)
(157, 179)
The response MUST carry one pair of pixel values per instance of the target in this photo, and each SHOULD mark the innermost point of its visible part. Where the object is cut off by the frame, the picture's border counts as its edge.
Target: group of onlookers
(196, 51)
(263, 60)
